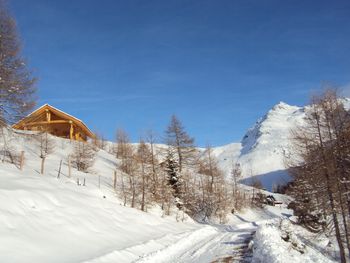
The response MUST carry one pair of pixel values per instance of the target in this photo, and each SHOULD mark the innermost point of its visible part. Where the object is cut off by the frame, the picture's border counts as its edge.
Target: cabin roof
(59, 112)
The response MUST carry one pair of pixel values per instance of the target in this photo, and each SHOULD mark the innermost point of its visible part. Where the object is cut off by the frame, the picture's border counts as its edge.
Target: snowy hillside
(51, 218)
(265, 145)
(47, 219)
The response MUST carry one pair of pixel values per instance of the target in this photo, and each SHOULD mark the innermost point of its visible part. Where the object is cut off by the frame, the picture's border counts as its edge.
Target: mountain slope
(263, 148)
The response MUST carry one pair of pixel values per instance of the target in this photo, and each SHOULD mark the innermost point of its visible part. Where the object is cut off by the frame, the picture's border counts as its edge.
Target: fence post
(115, 180)
(22, 161)
(42, 165)
(69, 167)
(59, 169)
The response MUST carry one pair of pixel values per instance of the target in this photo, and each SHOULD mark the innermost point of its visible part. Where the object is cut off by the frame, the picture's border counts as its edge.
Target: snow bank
(270, 246)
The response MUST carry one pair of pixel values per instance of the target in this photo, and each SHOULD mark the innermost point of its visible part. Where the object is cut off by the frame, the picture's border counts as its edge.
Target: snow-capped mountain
(264, 146)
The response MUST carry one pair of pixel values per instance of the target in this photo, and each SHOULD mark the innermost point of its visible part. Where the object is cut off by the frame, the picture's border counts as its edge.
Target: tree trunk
(42, 165)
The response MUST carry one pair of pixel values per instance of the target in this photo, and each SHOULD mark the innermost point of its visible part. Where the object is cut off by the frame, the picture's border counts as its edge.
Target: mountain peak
(283, 106)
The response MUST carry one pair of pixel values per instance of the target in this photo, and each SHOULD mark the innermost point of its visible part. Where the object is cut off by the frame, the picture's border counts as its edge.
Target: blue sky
(217, 65)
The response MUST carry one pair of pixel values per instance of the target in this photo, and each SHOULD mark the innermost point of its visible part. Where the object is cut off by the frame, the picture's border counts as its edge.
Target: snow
(270, 247)
(49, 219)
(227, 155)
(56, 219)
(264, 147)
(217, 242)
(45, 219)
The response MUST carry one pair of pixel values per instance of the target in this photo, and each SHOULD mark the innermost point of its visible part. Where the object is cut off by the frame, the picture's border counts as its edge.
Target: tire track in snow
(129, 254)
(203, 247)
(172, 252)
(241, 253)
(209, 244)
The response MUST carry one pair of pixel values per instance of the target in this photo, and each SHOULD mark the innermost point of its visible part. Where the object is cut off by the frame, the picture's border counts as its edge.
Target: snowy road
(209, 244)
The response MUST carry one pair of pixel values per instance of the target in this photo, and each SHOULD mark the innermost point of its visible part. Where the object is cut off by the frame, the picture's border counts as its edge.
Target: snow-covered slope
(263, 148)
(48, 219)
(44, 219)
(227, 155)
(265, 145)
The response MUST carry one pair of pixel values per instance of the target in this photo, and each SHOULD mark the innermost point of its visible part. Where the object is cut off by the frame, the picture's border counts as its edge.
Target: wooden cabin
(55, 122)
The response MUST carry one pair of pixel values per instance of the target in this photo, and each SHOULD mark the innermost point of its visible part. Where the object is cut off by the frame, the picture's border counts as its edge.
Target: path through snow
(209, 244)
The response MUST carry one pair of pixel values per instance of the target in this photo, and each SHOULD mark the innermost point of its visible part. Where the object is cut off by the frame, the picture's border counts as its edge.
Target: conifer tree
(172, 170)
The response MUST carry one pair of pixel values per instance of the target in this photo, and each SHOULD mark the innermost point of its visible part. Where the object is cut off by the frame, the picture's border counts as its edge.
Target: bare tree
(144, 158)
(209, 167)
(8, 152)
(122, 148)
(46, 146)
(150, 139)
(16, 84)
(214, 200)
(128, 165)
(236, 173)
(178, 139)
(322, 157)
(99, 141)
(83, 156)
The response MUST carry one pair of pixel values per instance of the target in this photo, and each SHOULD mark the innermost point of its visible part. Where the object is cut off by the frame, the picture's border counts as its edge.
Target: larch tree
(321, 171)
(46, 146)
(236, 173)
(144, 159)
(182, 144)
(17, 86)
(83, 156)
(99, 141)
(155, 165)
(214, 198)
(127, 163)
